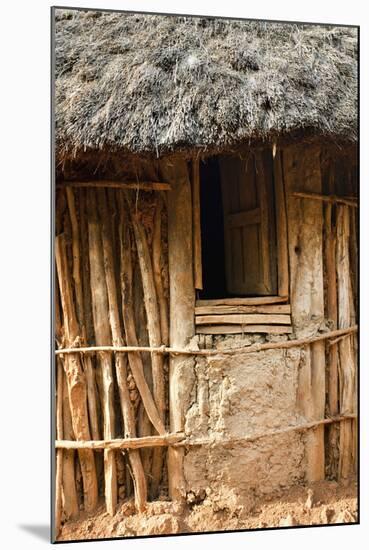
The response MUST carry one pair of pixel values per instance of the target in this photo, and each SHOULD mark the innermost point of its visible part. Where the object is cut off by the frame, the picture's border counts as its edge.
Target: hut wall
(242, 395)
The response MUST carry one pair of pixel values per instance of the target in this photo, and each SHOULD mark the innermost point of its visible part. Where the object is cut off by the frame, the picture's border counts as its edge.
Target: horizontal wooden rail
(127, 443)
(326, 198)
(179, 439)
(243, 319)
(243, 329)
(250, 349)
(139, 186)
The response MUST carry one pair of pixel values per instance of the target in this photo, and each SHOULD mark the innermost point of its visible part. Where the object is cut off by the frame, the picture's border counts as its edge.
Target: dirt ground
(322, 503)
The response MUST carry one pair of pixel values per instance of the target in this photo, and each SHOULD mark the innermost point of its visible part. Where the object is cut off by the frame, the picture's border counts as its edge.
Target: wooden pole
(88, 368)
(100, 309)
(346, 351)
(120, 359)
(305, 241)
(250, 349)
(59, 452)
(281, 219)
(326, 198)
(154, 332)
(75, 377)
(156, 264)
(182, 302)
(131, 443)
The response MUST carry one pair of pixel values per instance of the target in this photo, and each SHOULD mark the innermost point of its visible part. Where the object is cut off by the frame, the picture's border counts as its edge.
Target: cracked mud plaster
(244, 395)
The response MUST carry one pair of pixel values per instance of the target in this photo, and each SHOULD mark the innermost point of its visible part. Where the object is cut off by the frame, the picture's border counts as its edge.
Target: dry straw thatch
(156, 84)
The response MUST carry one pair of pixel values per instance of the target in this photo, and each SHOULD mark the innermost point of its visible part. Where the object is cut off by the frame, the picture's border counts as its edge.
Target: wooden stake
(75, 377)
(59, 452)
(120, 359)
(100, 308)
(156, 264)
(153, 327)
(346, 350)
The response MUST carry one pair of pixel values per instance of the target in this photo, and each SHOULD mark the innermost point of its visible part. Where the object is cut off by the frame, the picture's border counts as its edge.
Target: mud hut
(206, 260)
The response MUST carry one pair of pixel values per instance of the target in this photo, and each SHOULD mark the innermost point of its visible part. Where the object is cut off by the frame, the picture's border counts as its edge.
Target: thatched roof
(156, 84)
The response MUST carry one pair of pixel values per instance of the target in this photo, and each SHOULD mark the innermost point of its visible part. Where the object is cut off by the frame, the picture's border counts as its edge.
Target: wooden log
(156, 264)
(239, 319)
(138, 186)
(75, 377)
(281, 223)
(305, 241)
(133, 443)
(326, 198)
(196, 223)
(259, 300)
(87, 363)
(242, 329)
(100, 309)
(182, 302)
(120, 359)
(154, 332)
(224, 310)
(346, 349)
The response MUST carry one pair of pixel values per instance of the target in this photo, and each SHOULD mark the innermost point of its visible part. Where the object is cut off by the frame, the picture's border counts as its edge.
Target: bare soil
(322, 503)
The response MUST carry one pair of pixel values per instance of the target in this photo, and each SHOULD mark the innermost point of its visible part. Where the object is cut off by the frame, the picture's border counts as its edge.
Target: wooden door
(249, 224)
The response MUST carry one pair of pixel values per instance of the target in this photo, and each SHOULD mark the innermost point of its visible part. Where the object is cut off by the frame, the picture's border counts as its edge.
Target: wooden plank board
(224, 310)
(248, 217)
(259, 300)
(240, 319)
(241, 329)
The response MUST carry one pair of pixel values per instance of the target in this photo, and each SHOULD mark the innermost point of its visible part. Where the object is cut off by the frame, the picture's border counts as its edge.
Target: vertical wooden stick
(100, 309)
(87, 362)
(196, 222)
(345, 346)
(59, 452)
(75, 377)
(156, 264)
(120, 358)
(153, 327)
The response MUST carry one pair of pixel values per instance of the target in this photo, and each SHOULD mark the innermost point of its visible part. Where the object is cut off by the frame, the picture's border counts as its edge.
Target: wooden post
(100, 309)
(196, 213)
(305, 221)
(120, 358)
(75, 377)
(281, 222)
(345, 346)
(182, 304)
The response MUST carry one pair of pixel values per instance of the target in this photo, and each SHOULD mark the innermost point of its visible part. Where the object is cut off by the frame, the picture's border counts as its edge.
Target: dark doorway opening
(212, 231)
